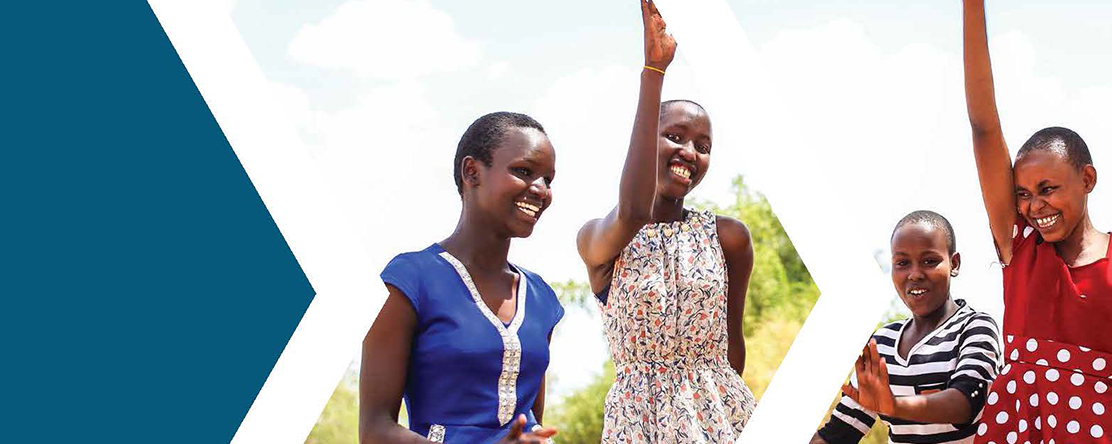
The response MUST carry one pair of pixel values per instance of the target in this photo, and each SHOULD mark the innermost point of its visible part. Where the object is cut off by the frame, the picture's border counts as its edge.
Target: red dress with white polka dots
(1054, 387)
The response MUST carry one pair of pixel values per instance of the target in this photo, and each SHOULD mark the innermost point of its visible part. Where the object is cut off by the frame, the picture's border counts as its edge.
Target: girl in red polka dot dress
(1054, 387)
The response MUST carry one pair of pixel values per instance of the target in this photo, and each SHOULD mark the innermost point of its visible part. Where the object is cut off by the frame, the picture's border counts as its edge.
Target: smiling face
(922, 267)
(511, 194)
(1051, 193)
(684, 146)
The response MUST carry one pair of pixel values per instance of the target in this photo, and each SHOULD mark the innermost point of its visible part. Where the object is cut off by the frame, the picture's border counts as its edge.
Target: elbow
(738, 364)
(983, 128)
(367, 433)
(373, 428)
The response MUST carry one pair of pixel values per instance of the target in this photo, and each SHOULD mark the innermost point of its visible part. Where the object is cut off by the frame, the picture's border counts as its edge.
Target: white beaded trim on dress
(511, 344)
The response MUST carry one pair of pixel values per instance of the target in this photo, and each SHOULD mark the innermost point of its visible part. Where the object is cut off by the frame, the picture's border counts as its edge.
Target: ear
(955, 260)
(1089, 177)
(469, 169)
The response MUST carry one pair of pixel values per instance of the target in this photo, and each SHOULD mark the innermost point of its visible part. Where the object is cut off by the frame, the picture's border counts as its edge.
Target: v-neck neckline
(519, 310)
(911, 352)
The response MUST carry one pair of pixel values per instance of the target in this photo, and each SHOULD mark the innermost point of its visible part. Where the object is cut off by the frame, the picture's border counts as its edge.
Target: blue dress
(470, 374)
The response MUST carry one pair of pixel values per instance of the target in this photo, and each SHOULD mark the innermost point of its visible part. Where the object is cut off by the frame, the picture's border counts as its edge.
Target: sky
(870, 121)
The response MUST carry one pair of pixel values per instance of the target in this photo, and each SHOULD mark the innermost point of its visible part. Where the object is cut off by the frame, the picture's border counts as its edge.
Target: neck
(478, 246)
(932, 320)
(667, 209)
(1084, 239)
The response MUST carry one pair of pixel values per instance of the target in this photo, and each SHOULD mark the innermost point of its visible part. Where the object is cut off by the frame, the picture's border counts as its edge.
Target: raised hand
(660, 47)
(517, 437)
(994, 163)
(873, 391)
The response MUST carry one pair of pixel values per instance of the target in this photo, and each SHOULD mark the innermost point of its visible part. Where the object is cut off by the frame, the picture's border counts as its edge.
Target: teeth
(528, 208)
(917, 292)
(1045, 222)
(681, 171)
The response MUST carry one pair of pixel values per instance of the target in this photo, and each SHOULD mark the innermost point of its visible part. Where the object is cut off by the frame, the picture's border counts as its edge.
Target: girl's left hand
(660, 47)
(873, 391)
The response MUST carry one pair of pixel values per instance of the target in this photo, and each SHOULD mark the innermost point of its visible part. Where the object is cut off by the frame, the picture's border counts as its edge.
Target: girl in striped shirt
(926, 377)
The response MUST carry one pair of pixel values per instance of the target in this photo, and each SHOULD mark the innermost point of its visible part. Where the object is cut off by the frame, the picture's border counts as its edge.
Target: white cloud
(498, 70)
(385, 39)
(391, 156)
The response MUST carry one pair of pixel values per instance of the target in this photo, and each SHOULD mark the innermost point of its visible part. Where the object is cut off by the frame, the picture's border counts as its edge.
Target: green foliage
(765, 348)
(579, 416)
(339, 422)
(572, 292)
(780, 288)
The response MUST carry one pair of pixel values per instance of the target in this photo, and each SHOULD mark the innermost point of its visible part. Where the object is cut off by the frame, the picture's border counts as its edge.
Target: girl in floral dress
(1054, 387)
(671, 282)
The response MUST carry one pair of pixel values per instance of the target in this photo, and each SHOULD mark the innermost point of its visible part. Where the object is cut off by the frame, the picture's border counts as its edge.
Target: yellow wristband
(661, 71)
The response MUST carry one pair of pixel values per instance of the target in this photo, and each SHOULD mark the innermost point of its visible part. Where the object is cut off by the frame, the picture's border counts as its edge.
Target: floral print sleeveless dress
(665, 321)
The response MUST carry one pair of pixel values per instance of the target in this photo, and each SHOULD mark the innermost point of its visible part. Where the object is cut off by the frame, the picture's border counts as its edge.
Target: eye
(900, 263)
(1022, 194)
(931, 262)
(703, 148)
(1047, 190)
(523, 171)
(673, 137)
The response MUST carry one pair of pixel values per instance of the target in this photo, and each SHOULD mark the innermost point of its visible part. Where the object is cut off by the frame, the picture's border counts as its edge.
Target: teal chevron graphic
(146, 290)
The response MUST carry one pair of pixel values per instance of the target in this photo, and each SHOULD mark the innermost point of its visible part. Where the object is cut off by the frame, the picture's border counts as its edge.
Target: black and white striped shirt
(963, 353)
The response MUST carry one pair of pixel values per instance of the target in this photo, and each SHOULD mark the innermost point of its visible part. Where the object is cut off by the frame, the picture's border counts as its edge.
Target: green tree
(780, 287)
(339, 422)
(572, 292)
(578, 416)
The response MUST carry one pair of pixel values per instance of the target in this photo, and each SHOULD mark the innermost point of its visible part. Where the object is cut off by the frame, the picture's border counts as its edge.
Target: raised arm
(601, 240)
(994, 165)
(382, 373)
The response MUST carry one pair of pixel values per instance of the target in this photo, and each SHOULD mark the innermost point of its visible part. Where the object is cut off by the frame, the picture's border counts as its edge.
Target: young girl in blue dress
(463, 334)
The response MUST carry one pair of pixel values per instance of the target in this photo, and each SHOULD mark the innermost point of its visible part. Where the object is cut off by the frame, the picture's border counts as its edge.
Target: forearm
(381, 429)
(638, 183)
(736, 354)
(980, 95)
(538, 403)
(816, 439)
(949, 406)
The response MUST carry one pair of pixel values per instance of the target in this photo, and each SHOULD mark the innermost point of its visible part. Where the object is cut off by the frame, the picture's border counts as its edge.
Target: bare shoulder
(585, 235)
(588, 227)
(733, 235)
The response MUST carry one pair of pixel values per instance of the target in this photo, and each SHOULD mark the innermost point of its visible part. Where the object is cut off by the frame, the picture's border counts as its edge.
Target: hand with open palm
(660, 47)
(872, 391)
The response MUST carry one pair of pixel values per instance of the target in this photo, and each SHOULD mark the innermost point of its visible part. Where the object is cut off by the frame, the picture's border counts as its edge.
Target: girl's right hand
(873, 391)
(517, 437)
(660, 47)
